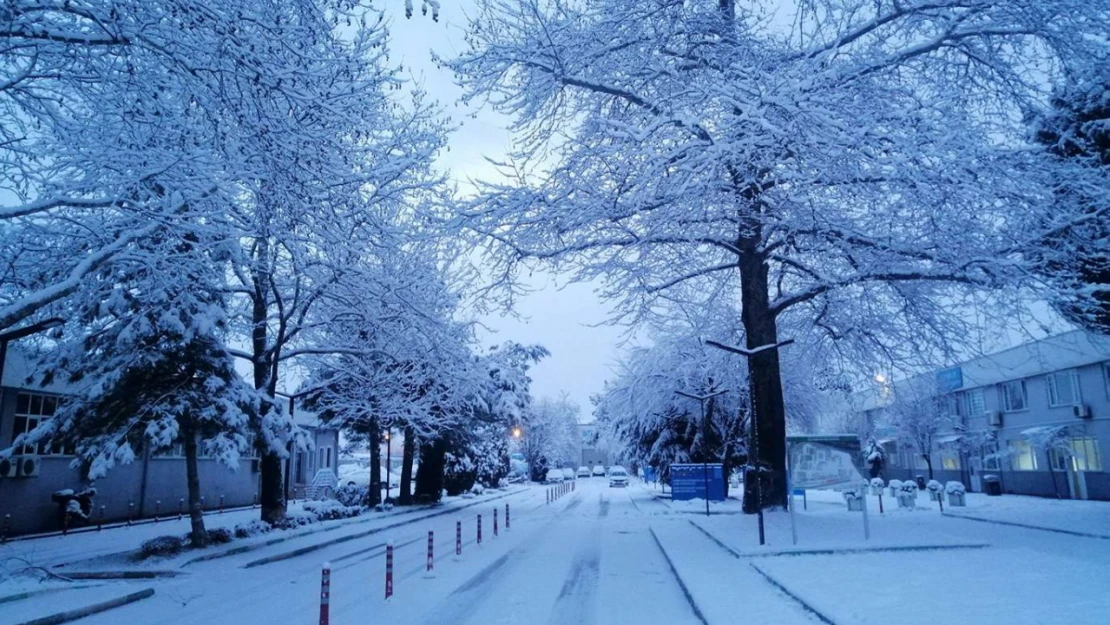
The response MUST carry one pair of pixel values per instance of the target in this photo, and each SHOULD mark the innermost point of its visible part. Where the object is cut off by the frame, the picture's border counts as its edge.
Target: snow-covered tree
(145, 354)
(549, 436)
(857, 171)
(874, 458)
(1076, 255)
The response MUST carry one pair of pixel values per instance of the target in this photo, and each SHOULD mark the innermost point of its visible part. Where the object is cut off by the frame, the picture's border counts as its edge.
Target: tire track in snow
(577, 600)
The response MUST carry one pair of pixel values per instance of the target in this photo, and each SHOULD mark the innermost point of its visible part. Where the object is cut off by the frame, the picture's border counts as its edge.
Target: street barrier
(325, 593)
(389, 569)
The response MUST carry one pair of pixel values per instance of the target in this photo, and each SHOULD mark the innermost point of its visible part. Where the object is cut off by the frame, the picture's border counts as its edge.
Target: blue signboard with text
(950, 379)
(689, 481)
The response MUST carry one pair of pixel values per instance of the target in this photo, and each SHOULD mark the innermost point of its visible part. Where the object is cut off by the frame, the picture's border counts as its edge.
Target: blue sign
(950, 379)
(689, 481)
(649, 474)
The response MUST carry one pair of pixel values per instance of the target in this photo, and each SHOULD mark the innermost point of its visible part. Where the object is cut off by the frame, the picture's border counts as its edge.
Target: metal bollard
(506, 516)
(458, 538)
(325, 593)
(389, 570)
(495, 522)
(7, 528)
(157, 509)
(221, 504)
(130, 512)
(202, 503)
(479, 529)
(100, 521)
(431, 548)
(180, 508)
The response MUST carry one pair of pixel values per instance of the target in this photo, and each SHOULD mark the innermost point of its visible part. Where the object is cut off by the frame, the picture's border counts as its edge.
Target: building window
(1013, 396)
(31, 410)
(950, 461)
(1081, 451)
(1063, 388)
(990, 457)
(975, 402)
(1022, 456)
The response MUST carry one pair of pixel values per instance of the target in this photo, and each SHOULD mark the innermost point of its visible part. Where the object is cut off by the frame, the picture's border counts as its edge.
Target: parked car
(599, 471)
(554, 476)
(617, 477)
(568, 474)
(583, 471)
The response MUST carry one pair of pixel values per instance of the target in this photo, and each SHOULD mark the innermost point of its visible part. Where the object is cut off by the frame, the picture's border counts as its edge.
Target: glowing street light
(516, 432)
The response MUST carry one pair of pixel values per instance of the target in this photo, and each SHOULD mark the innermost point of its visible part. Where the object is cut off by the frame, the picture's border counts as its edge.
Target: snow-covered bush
(877, 482)
(909, 487)
(459, 472)
(161, 546)
(219, 536)
(253, 528)
(477, 489)
(954, 487)
(352, 495)
(330, 509)
(934, 486)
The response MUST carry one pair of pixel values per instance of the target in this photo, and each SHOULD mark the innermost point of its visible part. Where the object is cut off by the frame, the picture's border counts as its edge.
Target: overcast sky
(560, 319)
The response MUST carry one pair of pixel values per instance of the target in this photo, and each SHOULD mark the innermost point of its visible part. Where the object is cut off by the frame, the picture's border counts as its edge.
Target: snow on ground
(1088, 517)
(613, 556)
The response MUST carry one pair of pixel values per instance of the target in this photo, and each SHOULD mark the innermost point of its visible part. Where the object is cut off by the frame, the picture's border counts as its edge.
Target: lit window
(1063, 388)
(1022, 456)
(1081, 451)
(950, 461)
(1013, 396)
(31, 410)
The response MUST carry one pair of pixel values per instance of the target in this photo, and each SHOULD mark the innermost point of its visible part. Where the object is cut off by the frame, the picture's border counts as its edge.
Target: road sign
(689, 481)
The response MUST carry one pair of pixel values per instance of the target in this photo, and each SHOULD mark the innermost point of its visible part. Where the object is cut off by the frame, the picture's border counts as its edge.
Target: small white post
(866, 525)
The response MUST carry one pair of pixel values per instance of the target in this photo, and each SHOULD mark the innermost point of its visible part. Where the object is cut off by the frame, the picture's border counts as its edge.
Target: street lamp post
(701, 399)
(388, 462)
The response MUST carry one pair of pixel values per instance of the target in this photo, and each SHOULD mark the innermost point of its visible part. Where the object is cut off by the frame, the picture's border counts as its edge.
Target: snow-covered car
(583, 471)
(599, 471)
(568, 473)
(617, 477)
(554, 476)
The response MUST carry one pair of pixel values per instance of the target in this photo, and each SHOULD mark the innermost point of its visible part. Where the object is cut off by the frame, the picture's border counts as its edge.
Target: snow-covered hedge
(934, 486)
(908, 487)
(352, 495)
(330, 509)
(955, 487)
(877, 483)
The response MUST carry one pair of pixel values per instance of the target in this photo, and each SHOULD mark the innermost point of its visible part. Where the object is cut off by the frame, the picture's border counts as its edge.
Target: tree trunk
(768, 447)
(374, 497)
(198, 537)
(271, 496)
(429, 478)
(929, 464)
(407, 454)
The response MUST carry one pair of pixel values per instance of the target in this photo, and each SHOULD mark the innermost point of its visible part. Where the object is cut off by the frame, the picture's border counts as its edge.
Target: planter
(906, 500)
(934, 495)
(957, 500)
(855, 504)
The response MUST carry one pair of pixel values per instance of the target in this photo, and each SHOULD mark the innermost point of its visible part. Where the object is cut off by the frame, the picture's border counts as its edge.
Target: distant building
(1037, 416)
(590, 454)
(152, 485)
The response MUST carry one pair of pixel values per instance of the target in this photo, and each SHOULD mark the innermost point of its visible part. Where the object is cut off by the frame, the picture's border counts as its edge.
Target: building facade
(1036, 417)
(152, 485)
(590, 452)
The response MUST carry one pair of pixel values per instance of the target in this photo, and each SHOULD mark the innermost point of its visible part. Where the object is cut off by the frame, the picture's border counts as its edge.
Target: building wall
(1094, 388)
(122, 493)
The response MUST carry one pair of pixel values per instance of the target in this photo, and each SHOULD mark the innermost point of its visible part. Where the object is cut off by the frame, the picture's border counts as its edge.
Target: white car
(599, 471)
(583, 471)
(568, 474)
(554, 476)
(617, 477)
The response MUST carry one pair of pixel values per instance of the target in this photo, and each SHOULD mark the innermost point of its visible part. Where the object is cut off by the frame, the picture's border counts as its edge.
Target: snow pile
(330, 509)
(352, 495)
(955, 488)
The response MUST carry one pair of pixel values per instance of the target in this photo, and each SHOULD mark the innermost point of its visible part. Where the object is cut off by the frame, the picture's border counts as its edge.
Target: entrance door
(976, 473)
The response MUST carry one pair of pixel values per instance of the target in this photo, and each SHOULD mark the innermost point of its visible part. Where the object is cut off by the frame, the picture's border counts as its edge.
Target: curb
(342, 539)
(20, 596)
(122, 574)
(1026, 526)
(681, 584)
(89, 610)
(805, 606)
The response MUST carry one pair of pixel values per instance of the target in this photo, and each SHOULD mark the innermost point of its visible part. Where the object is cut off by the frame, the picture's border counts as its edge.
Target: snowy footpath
(626, 556)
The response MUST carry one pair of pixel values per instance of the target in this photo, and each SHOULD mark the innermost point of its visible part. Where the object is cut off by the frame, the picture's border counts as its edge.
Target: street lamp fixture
(516, 432)
(18, 333)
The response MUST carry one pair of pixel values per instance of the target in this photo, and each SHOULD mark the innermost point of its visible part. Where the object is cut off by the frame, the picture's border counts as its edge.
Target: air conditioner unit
(1081, 411)
(9, 467)
(28, 466)
(994, 418)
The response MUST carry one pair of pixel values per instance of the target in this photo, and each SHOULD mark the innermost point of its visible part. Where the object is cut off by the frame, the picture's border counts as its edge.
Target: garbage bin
(992, 485)
(920, 482)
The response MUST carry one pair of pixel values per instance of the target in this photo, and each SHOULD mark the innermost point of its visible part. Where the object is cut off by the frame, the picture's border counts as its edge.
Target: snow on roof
(20, 371)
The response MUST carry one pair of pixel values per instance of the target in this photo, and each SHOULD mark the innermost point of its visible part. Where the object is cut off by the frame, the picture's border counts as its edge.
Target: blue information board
(649, 474)
(688, 481)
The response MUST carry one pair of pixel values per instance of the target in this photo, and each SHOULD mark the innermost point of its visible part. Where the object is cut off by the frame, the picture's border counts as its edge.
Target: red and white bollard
(325, 593)
(389, 570)
(479, 529)
(458, 538)
(495, 522)
(506, 516)
(431, 543)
